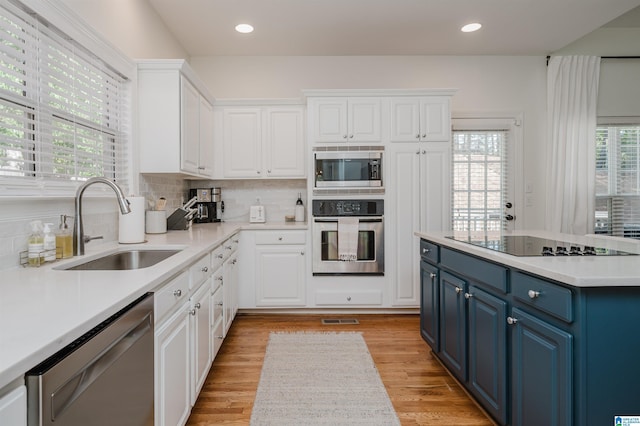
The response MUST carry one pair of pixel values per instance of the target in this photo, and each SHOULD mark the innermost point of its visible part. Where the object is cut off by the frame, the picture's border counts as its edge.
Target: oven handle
(375, 219)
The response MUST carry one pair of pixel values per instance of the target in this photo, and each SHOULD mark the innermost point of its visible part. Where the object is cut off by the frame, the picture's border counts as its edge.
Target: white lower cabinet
(172, 371)
(201, 354)
(13, 407)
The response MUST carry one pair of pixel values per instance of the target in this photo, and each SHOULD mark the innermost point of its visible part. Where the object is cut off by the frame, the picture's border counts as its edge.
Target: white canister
(156, 222)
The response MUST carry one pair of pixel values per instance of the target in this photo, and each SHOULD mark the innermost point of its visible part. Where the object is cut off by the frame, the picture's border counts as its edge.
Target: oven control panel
(348, 207)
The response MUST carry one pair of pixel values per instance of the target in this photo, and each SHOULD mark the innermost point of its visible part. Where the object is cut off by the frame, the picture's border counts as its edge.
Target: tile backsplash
(100, 213)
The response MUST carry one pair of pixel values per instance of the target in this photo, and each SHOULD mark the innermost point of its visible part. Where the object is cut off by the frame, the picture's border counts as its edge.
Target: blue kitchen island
(537, 340)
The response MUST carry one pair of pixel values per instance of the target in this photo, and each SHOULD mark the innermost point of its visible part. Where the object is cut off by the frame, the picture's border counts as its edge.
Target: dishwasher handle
(64, 396)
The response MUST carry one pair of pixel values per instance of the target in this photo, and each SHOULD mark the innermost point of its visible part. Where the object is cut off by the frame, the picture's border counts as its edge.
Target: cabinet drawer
(281, 237)
(217, 257)
(171, 295)
(545, 296)
(476, 269)
(373, 297)
(218, 305)
(229, 246)
(429, 251)
(199, 271)
(217, 337)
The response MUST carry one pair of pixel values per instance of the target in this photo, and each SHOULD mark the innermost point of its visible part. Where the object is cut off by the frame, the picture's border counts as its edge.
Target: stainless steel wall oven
(357, 225)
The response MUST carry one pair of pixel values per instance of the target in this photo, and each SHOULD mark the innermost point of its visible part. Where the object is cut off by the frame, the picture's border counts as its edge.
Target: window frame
(59, 16)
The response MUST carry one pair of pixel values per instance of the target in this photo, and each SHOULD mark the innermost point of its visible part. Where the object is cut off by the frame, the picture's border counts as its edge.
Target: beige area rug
(320, 379)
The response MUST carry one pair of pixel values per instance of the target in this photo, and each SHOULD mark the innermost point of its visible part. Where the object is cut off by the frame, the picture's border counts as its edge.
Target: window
(481, 156)
(618, 180)
(63, 112)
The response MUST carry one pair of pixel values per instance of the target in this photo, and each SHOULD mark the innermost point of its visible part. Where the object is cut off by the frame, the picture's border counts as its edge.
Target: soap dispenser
(35, 244)
(49, 243)
(64, 239)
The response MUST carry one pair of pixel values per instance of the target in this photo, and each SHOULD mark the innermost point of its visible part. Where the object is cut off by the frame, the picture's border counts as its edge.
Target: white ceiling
(385, 27)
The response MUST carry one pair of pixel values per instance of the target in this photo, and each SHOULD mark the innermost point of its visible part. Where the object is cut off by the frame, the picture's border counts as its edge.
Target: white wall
(132, 26)
(485, 84)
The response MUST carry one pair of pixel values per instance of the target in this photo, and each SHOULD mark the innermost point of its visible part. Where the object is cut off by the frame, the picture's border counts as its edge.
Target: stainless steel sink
(123, 260)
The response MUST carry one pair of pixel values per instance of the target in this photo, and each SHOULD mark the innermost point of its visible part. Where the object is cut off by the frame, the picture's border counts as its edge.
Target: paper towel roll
(131, 226)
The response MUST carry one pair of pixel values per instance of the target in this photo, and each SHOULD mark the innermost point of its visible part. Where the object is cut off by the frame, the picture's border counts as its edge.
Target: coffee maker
(208, 200)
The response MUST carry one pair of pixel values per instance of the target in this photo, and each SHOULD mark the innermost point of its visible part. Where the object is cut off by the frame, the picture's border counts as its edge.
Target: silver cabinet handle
(426, 250)
(192, 312)
(205, 269)
(235, 241)
(220, 304)
(279, 238)
(301, 253)
(533, 294)
(424, 135)
(220, 256)
(350, 136)
(512, 320)
(418, 152)
(432, 276)
(468, 296)
(228, 247)
(177, 293)
(219, 278)
(348, 298)
(344, 137)
(258, 172)
(219, 337)
(458, 290)
(197, 305)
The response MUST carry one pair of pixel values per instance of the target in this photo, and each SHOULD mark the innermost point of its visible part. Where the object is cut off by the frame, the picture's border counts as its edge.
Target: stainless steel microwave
(348, 169)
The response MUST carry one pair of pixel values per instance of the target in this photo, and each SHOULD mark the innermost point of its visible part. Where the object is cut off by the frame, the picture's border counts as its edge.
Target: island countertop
(577, 271)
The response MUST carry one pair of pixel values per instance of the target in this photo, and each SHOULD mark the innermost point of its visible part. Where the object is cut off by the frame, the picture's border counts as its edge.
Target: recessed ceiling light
(244, 28)
(469, 28)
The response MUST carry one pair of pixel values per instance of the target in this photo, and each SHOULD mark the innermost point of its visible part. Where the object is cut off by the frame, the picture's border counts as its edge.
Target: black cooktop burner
(524, 245)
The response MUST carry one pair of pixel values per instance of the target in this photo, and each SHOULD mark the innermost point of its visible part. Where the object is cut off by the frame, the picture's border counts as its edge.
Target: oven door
(370, 253)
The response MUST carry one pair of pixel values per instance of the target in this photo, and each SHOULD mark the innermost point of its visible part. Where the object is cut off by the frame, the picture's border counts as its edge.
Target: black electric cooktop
(524, 245)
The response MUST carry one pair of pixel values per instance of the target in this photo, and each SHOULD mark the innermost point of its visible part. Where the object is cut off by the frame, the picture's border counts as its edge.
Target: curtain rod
(606, 57)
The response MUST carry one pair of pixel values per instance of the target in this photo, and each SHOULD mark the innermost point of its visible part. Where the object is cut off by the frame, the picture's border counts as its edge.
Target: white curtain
(572, 92)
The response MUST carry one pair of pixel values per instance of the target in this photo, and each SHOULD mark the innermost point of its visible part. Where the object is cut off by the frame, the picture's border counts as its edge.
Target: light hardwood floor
(421, 391)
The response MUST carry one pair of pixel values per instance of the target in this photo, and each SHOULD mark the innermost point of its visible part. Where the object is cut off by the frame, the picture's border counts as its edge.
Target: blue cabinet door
(541, 387)
(429, 304)
(488, 351)
(453, 324)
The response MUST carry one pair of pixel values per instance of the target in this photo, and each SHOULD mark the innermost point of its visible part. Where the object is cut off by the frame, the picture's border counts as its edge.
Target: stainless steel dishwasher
(105, 377)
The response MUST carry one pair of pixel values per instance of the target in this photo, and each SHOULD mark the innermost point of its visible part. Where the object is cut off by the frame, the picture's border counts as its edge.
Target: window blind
(480, 170)
(63, 112)
(618, 180)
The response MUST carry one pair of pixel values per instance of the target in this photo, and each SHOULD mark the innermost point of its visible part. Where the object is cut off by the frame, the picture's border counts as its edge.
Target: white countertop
(578, 271)
(44, 309)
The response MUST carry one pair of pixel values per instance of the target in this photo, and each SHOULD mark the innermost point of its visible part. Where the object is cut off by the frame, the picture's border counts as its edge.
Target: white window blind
(63, 112)
(618, 180)
(480, 184)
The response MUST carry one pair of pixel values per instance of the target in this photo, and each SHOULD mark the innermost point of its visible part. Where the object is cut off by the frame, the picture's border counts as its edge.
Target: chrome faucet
(78, 232)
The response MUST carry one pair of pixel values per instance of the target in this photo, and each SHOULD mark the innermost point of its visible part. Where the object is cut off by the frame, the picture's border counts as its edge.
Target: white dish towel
(348, 238)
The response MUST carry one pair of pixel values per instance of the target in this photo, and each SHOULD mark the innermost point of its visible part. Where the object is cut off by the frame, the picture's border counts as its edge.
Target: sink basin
(124, 260)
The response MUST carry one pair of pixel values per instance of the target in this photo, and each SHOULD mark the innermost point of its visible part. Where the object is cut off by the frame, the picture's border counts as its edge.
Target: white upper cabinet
(416, 119)
(263, 141)
(345, 119)
(175, 120)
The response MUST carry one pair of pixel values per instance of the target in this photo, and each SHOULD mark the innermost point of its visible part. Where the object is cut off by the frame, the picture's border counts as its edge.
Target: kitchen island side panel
(608, 364)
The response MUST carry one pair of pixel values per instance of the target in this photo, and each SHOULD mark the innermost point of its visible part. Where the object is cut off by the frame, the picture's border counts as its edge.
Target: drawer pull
(177, 293)
(197, 305)
(279, 238)
(512, 320)
(468, 296)
(192, 312)
(219, 337)
(533, 294)
(220, 256)
(458, 290)
(220, 304)
(348, 298)
(432, 276)
(425, 250)
(205, 269)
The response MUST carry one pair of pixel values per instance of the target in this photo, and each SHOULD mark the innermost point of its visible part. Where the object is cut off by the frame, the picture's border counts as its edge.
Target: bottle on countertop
(49, 243)
(299, 209)
(35, 244)
(64, 239)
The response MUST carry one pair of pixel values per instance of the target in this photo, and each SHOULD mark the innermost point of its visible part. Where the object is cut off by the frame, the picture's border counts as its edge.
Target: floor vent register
(334, 321)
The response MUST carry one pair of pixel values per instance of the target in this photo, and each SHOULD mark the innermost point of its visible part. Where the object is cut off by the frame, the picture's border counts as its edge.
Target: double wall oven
(358, 223)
